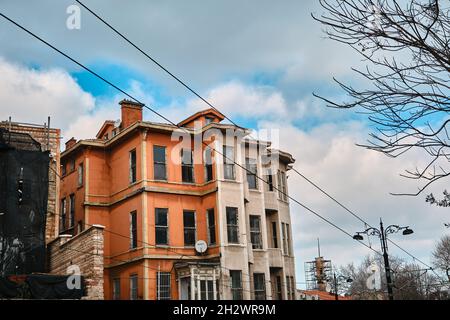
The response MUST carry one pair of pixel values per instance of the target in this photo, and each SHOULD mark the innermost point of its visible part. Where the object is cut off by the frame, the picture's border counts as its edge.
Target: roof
(105, 125)
(206, 112)
(323, 295)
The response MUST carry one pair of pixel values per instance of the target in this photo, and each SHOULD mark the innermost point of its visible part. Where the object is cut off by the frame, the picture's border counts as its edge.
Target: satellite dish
(328, 287)
(117, 123)
(201, 246)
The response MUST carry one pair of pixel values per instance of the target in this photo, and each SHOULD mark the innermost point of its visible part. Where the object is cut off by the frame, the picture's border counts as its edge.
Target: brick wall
(49, 140)
(84, 250)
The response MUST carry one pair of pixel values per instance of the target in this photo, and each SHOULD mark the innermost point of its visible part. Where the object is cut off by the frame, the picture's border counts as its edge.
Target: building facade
(186, 214)
(49, 139)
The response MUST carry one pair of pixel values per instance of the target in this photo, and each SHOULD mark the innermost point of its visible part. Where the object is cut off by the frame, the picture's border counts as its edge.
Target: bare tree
(405, 83)
(410, 281)
(441, 255)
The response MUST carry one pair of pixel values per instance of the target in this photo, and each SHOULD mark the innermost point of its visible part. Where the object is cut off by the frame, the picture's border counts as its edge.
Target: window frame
(132, 166)
(211, 226)
(80, 175)
(192, 229)
(229, 163)
(209, 174)
(133, 230)
(63, 215)
(162, 227)
(159, 163)
(232, 228)
(236, 292)
(116, 289)
(251, 173)
(166, 285)
(134, 290)
(275, 235)
(187, 166)
(260, 292)
(255, 232)
(71, 210)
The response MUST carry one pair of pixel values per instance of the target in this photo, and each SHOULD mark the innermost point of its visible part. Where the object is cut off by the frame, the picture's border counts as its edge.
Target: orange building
(176, 213)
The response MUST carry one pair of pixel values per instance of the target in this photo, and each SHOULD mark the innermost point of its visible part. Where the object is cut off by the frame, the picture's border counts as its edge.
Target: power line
(184, 84)
(360, 219)
(168, 120)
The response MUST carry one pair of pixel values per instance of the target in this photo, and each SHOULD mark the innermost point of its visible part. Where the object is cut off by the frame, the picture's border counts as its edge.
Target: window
(189, 227)
(72, 210)
(105, 136)
(283, 230)
(161, 227)
(274, 235)
(282, 191)
(236, 284)
(133, 287)
(232, 225)
(133, 230)
(63, 169)
(278, 288)
(62, 224)
(228, 163)
(72, 165)
(290, 284)
(116, 289)
(255, 232)
(133, 166)
(163, 285)
(187, 166)
(250, 165)
(80, 174)
(211, 227)
(208, 165)
(159, 163)
(259, 283)
(206, 290)
(269, 182)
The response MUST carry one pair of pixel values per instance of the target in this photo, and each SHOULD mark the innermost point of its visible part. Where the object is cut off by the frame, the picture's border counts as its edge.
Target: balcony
(275, 258)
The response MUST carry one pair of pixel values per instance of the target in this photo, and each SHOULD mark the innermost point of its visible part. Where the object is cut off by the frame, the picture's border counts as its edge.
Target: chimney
(131, 112)
(70, 143)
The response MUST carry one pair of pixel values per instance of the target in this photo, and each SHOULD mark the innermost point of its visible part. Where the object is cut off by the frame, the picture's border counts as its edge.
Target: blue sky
(259, 62)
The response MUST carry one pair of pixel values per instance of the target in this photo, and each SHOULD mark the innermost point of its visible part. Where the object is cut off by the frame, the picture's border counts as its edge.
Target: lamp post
(382, 233)
(336, 284)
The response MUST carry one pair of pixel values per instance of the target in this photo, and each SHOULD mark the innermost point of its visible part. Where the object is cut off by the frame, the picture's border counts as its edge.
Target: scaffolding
(317, 273)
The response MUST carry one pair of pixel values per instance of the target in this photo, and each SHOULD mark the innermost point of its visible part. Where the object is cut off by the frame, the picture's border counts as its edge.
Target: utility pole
(386, 262)
(382, 234)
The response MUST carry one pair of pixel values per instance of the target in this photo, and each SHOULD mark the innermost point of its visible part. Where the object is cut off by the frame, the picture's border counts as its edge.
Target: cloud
(30, 95)
(361, 180)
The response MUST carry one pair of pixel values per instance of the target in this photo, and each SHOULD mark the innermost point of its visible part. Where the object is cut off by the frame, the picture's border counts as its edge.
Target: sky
(259, 62)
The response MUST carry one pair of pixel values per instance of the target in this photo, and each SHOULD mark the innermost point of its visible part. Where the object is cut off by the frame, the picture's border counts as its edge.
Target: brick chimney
(70, 143)
(131, 113)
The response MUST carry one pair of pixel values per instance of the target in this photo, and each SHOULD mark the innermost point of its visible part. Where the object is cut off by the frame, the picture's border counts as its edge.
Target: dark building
(23, 203)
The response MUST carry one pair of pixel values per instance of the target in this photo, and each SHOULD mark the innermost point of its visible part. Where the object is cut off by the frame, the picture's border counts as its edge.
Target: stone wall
(49, 140)
(84, 250)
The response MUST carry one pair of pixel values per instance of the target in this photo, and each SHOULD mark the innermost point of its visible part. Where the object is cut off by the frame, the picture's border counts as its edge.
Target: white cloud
(361, 180)
(30, 95)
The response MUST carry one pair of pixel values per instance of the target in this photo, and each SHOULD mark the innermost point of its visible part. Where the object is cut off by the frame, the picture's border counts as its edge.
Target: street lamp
(382, 233)
(336, 284)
